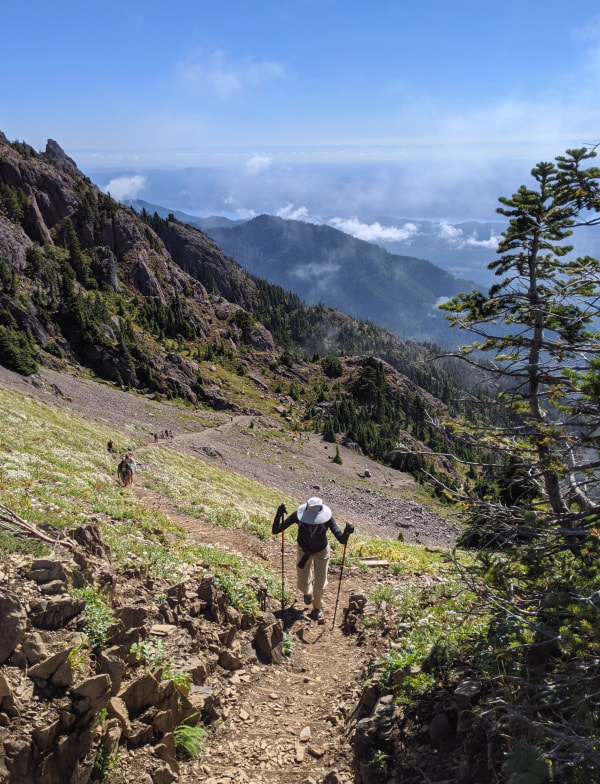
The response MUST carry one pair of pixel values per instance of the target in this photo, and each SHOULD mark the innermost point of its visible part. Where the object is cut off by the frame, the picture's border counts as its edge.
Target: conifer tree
(539, 326)
(329, 431)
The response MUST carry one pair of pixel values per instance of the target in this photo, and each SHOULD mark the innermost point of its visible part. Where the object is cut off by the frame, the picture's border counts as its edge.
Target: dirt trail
(261, 739)
(376, 498)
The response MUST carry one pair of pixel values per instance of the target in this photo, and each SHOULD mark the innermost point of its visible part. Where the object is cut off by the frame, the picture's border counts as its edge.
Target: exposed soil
(287, 722)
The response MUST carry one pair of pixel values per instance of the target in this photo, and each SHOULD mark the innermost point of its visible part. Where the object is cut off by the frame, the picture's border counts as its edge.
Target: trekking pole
(282, 569)
(281, 512)
(339, 584)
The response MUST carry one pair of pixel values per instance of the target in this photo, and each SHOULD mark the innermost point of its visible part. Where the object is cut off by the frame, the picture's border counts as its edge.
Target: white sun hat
(314, 512)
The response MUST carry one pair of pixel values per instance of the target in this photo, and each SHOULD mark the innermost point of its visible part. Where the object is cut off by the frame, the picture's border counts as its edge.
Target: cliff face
(85, 279)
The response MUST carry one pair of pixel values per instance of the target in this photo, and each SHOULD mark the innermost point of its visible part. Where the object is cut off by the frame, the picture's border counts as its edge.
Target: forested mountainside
(463, 249)
(323, 264)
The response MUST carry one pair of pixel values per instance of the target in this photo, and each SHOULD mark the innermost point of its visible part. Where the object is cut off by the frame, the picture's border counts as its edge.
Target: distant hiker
(109, 446)
(313, 519)
(124, 472)
(170, 434)
(155, 438)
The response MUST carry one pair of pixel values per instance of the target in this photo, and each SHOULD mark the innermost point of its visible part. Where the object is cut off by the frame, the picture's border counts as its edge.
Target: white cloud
(491, 244)
(241, 213)
(319, 274)
(454, 236)
(257, 163)
(374, 232)
(217, 74)
(121, 188)
(289, 212)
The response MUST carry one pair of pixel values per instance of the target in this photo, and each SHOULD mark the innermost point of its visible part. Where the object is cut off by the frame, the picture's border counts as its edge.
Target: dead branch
(12, 522)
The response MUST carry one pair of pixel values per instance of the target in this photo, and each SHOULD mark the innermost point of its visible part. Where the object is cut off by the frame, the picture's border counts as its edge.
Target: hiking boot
(316, 614)
(308, 597)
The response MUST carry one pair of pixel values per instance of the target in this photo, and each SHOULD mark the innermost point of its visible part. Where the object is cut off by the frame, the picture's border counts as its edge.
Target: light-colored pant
(312, 578)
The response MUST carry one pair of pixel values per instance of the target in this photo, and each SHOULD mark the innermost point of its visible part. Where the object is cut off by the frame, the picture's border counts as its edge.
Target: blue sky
(412, 108)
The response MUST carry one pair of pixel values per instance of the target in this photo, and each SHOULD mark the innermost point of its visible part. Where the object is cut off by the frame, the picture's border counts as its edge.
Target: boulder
(56, 612)
(377, 731)
(96, 690)
(164, 722)
(13, 622)
(45, 670)
(53, 588)
(199, 670)
(229, 660)
(140, 734)
(268, 637)
(132, 616)
(114, 667)
(111, 737)
(118, 710)
(8, 702)
(467, 693)
(165, 750)
(89, 537)
(45, 736)
(140, 693)
(34, 648)
(45, 570)
(163, 774)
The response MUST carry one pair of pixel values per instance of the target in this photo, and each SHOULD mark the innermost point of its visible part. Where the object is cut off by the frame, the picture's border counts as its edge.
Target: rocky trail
(287, 722)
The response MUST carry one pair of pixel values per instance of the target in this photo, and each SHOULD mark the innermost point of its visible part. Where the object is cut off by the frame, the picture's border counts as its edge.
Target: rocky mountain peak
(55, 155)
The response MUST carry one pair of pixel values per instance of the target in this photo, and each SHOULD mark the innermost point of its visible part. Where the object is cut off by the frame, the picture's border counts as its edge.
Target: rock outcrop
(67, 702)
(69, 240)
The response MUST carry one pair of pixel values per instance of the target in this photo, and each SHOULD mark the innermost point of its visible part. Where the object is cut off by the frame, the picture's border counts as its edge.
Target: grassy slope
(57, 472)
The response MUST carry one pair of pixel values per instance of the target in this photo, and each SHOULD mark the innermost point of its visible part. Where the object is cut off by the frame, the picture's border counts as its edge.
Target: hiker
(109, 446)
(124, 472)
(132, 464)
(313, 519)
